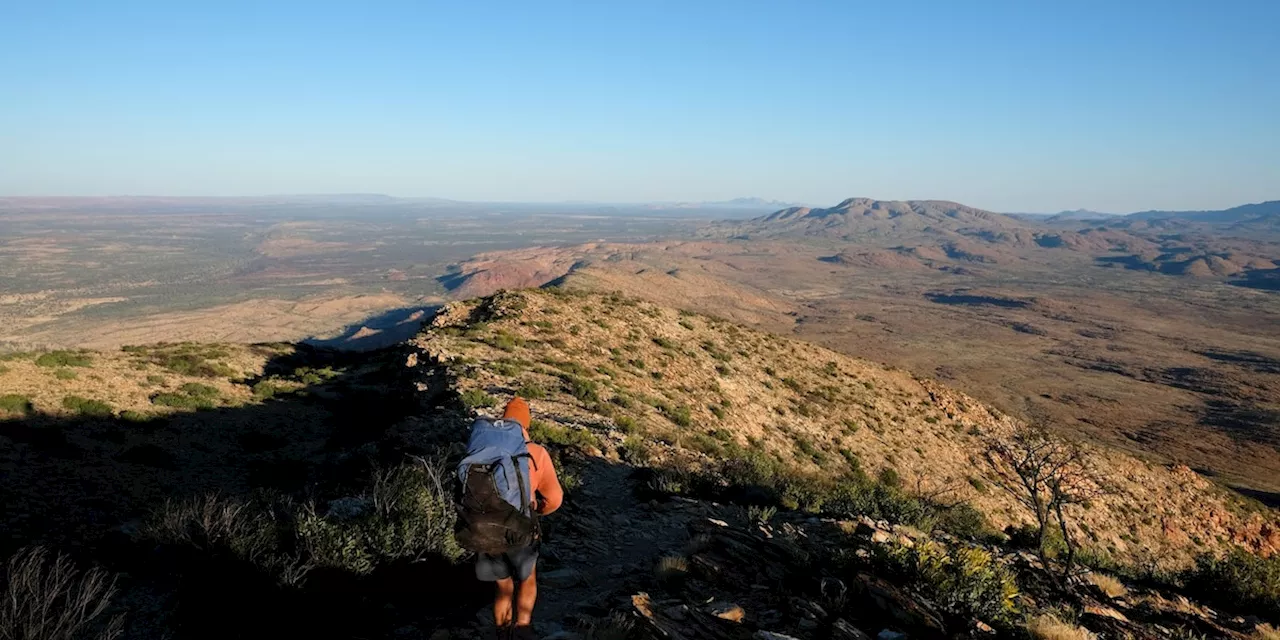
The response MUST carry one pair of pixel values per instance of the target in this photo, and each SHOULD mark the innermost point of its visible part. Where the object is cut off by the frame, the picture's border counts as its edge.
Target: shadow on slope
(1264, 279)
(378, 331)
(88, 484)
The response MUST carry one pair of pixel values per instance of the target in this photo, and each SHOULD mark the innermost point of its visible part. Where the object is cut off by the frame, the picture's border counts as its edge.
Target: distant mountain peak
(861, 208)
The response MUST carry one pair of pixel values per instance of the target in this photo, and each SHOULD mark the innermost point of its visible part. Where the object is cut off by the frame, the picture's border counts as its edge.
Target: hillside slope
(722, 484)
(643, 382)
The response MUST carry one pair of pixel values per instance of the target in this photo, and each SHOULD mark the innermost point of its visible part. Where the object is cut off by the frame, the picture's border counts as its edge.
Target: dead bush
(46, 597)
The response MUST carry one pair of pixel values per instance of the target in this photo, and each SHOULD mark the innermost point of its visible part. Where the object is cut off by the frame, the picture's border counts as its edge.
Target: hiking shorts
(518, 564)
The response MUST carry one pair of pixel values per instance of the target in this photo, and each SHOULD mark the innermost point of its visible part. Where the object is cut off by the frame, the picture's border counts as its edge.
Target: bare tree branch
(1045, 473)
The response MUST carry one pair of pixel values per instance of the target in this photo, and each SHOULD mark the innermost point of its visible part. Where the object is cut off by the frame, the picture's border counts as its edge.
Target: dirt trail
(603, 539)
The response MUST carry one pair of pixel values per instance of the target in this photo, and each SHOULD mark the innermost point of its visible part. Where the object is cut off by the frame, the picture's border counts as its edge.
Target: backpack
(494, 498)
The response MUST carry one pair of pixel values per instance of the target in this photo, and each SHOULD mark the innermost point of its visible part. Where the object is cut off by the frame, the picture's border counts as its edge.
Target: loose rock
(560, 578)
(842, 630)
(726, 611)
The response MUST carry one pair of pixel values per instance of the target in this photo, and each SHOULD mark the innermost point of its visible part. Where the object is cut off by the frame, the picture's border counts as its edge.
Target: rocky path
(603, 539)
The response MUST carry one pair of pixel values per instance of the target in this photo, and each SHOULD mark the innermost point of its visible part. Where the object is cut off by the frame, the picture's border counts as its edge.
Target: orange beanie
(517, 410)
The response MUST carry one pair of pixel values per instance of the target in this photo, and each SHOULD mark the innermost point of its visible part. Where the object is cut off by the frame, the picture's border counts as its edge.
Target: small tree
(1045, 473)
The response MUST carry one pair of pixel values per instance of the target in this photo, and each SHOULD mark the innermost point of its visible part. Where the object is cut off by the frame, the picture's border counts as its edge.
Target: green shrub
(14, 403)
(478, 398)
(843, 496)
(761, 515)
(635, 451)
(86, 407)
(570, 479)
(965, 521)
(266, 389)
(197, 390)
(889, 477)
(805, 446)
(571, 367)
(965, 582)
(851, 458)
(1238, 580)
(410, 514)
(531, 391)
(191, 395)
(64, 359)
(135, 416)
(581, 388)
(544, 432)
(703, 443)
(187, 359)
(310, 376)
(504, 341)
(626, 424)
(680, 415)
(666, 343)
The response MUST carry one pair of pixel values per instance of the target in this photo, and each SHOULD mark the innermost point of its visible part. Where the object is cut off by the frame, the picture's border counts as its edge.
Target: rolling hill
(865, 218)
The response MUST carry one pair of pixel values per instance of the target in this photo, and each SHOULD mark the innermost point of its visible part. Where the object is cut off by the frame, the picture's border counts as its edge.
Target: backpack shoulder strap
(526, 492)
(533, 462)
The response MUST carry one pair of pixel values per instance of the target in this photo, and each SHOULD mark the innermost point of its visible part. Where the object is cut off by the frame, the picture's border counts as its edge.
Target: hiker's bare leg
(526, 596)
(503, 598)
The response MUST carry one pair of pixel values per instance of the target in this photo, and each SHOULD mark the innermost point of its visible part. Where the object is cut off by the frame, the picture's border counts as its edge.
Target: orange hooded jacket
(542, 473)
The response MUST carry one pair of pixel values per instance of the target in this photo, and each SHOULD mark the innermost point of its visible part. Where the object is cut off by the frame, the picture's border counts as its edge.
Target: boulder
(1103, 611)
(842, 630)
(769, 635)
(982, 629)
(897, 605)
(726, 611)
(673, 620)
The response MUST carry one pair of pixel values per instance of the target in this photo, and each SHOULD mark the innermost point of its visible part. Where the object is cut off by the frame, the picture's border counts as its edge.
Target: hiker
(507, 483)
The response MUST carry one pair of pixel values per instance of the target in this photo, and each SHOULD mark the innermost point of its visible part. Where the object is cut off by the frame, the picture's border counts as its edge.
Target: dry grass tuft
(47, 598)
(615, 627)
(206, 522)
(671, 568)
(1049, 627)
(1265, 632)
(1109, 585)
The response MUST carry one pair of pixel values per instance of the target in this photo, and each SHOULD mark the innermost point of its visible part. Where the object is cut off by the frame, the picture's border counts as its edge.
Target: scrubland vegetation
(906, 492)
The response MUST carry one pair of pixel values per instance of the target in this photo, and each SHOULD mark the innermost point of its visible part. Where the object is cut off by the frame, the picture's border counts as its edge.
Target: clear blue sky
(1014, 106)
